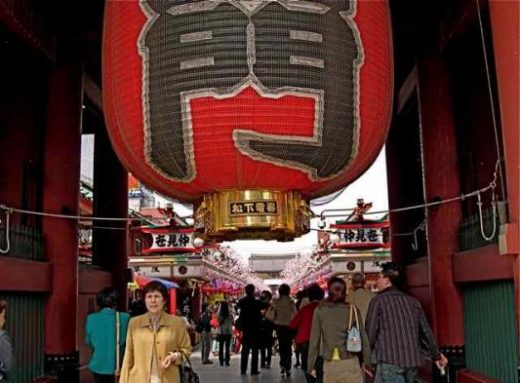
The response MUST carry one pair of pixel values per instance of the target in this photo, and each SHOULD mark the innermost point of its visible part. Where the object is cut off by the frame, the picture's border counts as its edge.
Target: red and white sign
(166, 240)
(362, 235)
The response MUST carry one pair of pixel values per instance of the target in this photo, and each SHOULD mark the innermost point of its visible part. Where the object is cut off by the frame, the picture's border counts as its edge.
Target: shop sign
(170, 240)
(362, 236)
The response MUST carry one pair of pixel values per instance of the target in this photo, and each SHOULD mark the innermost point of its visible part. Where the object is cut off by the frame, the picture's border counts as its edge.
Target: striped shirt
(398, 331)
(6, 352)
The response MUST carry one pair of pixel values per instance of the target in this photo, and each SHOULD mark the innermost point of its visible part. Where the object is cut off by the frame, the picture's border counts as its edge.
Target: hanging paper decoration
(247, 108)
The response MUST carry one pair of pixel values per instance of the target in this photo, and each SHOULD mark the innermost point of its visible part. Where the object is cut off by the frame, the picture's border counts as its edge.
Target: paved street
(215, 373)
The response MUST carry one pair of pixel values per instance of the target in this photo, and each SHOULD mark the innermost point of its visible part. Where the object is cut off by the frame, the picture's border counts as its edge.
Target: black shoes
(207, 362)
(255, 372)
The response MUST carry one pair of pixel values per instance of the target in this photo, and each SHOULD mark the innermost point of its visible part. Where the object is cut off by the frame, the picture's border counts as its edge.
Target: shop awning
(143, 281)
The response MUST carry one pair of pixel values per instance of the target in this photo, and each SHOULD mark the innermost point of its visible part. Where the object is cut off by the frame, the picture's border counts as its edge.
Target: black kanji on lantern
(194, 48)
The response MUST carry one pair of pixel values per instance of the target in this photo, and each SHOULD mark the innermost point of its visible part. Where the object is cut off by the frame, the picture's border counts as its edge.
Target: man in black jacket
(204, 327)
(249, 322)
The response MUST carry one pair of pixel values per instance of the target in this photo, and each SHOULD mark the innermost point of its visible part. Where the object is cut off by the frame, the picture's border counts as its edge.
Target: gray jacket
(6, 352)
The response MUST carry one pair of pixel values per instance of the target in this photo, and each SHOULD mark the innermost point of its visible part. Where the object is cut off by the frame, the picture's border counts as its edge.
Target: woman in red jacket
(302, 324)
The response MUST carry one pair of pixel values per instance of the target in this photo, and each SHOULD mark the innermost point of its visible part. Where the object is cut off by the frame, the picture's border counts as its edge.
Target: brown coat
(171, 336)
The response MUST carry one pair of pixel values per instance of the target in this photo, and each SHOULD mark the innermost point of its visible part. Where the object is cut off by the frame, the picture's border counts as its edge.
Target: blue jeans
(387, 373)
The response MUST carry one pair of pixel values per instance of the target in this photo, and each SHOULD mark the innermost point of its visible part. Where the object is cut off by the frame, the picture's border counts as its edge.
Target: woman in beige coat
(156, 342)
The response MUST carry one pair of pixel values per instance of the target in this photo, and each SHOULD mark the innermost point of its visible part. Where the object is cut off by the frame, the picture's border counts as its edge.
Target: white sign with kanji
(172, 240)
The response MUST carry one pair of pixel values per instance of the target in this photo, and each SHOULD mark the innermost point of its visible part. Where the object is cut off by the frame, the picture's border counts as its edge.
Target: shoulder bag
(354, 336)
(186, 372)
(270, 313)
(118, 347)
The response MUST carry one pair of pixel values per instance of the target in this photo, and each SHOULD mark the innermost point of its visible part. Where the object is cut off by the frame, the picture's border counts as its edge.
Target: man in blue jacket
(101, 336)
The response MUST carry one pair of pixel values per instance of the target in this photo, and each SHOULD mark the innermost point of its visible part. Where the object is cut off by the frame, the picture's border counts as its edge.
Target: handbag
(270, 313)
(118, 348)
(186, 372)
(354, 336)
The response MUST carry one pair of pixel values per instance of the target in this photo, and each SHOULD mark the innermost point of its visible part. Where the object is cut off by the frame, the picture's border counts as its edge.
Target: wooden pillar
(110, 200)
(441, 182)
(505, 27)
(61, 195)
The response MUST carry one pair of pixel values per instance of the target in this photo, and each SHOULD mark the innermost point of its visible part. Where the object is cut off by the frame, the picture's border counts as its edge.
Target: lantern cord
(477, 193)
(7, 242)
(492, 185)
(492, 102)
(67, 216)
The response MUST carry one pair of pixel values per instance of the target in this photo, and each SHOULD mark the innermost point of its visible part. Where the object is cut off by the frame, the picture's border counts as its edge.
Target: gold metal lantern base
(252, 214)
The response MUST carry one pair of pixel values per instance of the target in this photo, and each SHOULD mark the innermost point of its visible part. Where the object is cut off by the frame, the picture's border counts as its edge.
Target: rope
(492, 101)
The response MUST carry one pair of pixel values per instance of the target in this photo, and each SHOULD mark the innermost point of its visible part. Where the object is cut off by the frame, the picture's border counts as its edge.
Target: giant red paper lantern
(247, 108)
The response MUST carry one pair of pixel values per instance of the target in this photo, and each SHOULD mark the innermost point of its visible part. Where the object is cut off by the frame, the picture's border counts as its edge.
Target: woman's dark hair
(266, 294)
(156, 286)
(107, 297)
(223, 310)
(315, 292)
(284, 289)
(337, 296)
(3, 306)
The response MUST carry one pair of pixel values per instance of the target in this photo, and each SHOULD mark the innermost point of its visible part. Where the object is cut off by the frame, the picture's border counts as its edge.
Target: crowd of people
(389, 327)
(341, 335)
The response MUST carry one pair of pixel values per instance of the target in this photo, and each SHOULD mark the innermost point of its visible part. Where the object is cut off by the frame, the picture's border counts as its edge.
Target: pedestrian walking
(398, 331)
(204, 328)
(224, 332)
(6, 345)
(138, 307)
(302, 298)
(331, 324)
(249, 322)
(302, 325)
(284, 310)
(157, 342)
(266, 331)
(360, 297)
(105, 334)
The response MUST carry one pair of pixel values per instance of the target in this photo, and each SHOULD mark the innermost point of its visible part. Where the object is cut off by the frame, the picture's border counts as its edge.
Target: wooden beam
(23, 275)
(482, 264)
